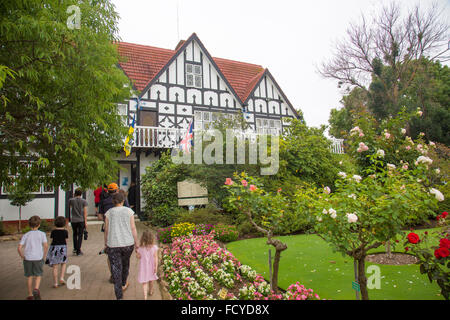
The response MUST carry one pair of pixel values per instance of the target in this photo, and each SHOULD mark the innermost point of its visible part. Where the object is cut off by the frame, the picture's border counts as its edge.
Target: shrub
(45, 227)
(225, 233)
(159, 190)
(208, 215)
(163, 216)
(202, 229)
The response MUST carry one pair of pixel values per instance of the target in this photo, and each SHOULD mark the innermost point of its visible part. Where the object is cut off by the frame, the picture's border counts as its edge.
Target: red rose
(441, 253)
(438, 217)
(444, 214)
(413, 238)
(444, 243)
(406, 248)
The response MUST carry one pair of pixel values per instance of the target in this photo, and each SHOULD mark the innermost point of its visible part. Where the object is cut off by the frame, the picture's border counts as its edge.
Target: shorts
(97, 204)
(33, 268)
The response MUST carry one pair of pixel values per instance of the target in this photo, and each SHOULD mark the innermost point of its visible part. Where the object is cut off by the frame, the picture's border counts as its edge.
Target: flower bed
(197, 268)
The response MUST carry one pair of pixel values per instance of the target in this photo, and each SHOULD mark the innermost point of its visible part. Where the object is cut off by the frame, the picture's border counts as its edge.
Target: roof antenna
(178, 20)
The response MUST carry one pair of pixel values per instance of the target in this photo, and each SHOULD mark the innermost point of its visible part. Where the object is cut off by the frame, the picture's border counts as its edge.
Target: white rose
(333, 215)
(403, 131)
(325, 211)
(380, 153)
(437, 171)
(332, 211)
(342, 175)
(327, 190)
(391, 166)
(352, 218)
(439, 196)
(423, 159)
(357, 178)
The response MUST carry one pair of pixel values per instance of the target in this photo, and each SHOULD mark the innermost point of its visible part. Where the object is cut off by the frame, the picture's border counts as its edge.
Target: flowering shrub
(195, 267)
(391, 192)
(297, 291)
(182, 229)
(165, 235)
(433, 257)
(225, 233)
(202, 229)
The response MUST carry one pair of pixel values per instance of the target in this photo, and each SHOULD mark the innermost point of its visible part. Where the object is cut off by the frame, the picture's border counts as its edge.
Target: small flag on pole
(187, 142)
(129, 141)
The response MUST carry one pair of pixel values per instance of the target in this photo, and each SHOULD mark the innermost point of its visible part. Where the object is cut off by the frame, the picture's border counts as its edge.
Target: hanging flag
(129, 141)
(187, 142)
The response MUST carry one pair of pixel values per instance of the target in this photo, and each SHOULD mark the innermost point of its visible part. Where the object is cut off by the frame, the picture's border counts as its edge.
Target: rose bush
(434, 257)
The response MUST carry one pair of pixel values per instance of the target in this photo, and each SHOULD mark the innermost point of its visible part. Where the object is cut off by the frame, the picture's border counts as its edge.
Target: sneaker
(74, 251)
(80, 253)
(30, 298)
(36, 294)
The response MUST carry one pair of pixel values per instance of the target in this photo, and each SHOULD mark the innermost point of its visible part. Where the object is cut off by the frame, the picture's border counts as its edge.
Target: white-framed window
(194, 75)
(204, 119)
(268, 126)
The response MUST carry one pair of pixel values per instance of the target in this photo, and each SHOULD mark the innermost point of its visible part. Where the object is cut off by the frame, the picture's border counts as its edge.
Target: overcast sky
(289, 37)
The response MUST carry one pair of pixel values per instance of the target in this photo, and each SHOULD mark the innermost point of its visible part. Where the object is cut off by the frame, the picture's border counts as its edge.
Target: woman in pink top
(147, 253)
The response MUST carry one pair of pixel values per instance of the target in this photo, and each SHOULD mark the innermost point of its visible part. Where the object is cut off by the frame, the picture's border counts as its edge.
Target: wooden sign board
(191, 193)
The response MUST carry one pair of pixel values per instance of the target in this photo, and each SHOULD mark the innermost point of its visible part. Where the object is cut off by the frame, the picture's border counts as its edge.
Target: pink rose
(252, 187)
(228, 182)
(408, 147)
(244, 183)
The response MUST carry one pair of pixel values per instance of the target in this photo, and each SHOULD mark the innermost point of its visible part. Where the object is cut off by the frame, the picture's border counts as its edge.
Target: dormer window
(193, 75)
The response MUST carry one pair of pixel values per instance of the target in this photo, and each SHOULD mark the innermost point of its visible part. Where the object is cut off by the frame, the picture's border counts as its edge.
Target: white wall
(42, 207)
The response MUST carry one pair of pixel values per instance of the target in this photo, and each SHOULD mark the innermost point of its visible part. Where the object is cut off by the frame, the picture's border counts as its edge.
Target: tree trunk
(276, 263)
(362, 280)
(20, 218)
(388, 249)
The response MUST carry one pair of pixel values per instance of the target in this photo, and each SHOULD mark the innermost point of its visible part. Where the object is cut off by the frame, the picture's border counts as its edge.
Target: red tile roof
(142, 63)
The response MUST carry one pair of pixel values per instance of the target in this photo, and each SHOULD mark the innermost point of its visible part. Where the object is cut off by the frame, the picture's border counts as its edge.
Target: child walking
(147, 253)
(57, 253)
(32, 249)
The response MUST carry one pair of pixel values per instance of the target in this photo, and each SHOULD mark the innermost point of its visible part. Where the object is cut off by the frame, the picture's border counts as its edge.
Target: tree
(388, 40)
(270, 209)
(60, 115)
(19, 196)
(384, 57)
(305, 156)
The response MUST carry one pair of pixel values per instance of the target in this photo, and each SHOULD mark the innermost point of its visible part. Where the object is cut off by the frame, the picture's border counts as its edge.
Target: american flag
(187, 142)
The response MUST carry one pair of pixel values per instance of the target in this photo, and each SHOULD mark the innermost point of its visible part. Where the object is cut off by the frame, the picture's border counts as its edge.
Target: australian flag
(188, 139)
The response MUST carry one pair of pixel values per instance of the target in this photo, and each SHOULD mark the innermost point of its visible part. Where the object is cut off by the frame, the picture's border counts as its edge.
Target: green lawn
(311, 261)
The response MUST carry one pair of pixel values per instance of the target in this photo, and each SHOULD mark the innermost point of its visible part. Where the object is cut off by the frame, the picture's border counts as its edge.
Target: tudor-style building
(173, 87)
(177, 85)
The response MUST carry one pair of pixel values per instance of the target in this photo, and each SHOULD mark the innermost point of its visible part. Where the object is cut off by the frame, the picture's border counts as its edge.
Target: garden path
(93, 268)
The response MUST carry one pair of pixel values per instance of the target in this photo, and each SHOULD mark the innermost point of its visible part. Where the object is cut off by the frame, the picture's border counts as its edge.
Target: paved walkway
(94, 274)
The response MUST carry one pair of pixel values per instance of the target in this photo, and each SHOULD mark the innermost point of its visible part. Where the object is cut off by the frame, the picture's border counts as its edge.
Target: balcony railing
(157, 137)
(337, 146)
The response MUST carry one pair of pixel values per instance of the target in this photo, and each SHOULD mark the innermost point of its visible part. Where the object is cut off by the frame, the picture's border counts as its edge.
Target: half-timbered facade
(173, 87)
(176, 86)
